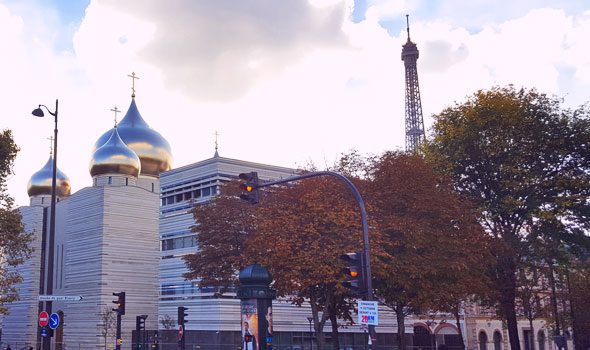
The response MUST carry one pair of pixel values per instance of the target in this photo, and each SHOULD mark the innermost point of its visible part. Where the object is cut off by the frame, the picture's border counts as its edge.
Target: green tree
(524, 161)
(14, 242)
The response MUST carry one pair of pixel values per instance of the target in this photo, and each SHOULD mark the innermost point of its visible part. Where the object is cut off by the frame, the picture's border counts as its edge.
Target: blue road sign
(53, 321)
(43, 332)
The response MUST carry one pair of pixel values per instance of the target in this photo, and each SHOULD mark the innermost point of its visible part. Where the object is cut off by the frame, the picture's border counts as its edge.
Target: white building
(106, 240)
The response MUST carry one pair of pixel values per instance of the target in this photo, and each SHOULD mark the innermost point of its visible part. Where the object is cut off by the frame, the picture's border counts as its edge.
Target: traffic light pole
(117, 344)
(361, 204)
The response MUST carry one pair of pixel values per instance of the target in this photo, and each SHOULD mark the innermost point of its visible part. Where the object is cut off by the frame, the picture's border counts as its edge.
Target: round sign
(180, 332)
(43, 319)
(53, 321)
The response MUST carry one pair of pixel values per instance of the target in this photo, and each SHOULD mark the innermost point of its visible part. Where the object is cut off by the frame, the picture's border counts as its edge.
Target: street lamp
(38, 112)
(310, 333)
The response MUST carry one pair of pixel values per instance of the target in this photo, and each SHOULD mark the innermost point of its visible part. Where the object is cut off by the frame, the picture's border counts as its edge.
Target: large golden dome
(114, 157)
(40, 182)
(151, 148)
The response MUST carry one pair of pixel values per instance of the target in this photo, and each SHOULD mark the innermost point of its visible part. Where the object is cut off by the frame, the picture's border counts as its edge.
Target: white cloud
(282, 85)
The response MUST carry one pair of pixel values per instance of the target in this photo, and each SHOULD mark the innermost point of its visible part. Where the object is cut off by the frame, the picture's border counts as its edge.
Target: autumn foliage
(425, 240)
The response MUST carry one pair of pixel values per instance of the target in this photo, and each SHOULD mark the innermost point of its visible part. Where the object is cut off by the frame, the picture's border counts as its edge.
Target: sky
(288, 82)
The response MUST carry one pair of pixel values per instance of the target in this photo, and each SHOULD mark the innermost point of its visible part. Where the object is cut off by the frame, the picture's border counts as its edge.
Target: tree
(14, 242)
(524, 161)
(107, 327)
(433, 250)
(297, 231)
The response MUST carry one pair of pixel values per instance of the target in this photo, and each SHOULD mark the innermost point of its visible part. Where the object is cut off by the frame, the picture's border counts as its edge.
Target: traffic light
(140, 322)
(250, 187)
(120, 303)
(354, 272)
(182, 315)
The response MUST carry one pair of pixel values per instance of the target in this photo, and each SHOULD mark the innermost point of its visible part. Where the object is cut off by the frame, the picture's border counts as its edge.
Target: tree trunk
(506, 270)
(554, 298)
(458, 323)
(401, 327)
(334, 322)
(318, 322)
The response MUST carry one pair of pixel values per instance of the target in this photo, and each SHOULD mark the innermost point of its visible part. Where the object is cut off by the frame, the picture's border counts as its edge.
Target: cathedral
(106, 240)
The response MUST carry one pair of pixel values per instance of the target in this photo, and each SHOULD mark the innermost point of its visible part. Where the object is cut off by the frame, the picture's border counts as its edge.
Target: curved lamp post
(38, 112)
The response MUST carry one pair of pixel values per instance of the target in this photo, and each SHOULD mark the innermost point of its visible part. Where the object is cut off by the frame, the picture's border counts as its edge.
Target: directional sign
(60, 297)
(43, 319)
(368, 312)
(53, 321)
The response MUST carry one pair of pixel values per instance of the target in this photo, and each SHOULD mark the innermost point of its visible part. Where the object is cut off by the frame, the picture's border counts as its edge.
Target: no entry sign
(43, 319)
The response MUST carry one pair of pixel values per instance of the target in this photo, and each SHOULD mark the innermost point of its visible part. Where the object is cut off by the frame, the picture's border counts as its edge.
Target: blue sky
(317, 77)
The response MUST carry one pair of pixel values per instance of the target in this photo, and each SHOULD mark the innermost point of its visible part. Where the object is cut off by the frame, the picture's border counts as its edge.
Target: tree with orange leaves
(432, 251)
(297, 231)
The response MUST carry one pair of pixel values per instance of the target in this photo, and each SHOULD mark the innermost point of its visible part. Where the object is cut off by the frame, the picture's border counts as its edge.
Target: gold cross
(133, 77)
(116, 110)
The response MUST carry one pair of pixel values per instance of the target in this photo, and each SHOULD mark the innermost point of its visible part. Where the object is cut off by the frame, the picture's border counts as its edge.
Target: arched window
(541, 340)
(420, 330)
(483, 340)
(497, 340)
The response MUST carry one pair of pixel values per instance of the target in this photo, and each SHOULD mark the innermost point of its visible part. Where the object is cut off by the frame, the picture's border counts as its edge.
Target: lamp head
(38, 112)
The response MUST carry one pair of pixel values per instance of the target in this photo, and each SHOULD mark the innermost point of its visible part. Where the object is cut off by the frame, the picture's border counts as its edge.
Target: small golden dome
(114, 157)
(40, 182)
(151, 148)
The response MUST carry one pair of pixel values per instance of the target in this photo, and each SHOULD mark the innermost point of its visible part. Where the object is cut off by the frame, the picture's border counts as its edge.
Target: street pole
(310, 333)
(46, 345)
(118, 336)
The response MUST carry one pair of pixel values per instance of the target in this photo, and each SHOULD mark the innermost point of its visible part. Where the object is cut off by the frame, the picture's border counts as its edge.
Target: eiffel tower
(414, 120)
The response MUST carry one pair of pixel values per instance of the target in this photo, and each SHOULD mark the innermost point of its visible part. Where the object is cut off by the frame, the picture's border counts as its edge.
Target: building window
(497, 340)
(179, 242)
(483, 340)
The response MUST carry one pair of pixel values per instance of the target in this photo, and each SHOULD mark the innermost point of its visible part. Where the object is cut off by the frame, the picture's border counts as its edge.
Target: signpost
(60, 297)
(43, 319)
(368, 312)
(53, 321)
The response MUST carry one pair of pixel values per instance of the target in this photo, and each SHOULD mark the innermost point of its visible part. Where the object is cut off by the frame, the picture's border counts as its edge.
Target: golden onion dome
(151, 148)
(40, 182)
(114, 157)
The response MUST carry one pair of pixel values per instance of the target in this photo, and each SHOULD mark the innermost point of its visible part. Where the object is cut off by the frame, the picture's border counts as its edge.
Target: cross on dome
(116, 110)
(133, 77)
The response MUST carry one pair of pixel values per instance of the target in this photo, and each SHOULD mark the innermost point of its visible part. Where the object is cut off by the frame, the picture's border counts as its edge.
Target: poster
(249, 311)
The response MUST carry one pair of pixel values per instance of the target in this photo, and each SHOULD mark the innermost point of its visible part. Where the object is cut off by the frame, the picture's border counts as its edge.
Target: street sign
(368, 312)
(53, 321)
(44, 332)
(43, 319)
(60, 297)
(180, 332)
